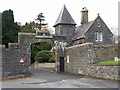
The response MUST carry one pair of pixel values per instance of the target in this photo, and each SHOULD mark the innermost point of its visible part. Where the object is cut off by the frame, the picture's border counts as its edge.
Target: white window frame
(98, 36)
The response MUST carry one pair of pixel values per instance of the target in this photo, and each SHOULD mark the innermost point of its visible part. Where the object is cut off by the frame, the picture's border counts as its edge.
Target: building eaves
(82, 29)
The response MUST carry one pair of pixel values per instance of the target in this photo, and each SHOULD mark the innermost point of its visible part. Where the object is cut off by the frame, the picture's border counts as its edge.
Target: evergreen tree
(41, 19)
(10, 29)
(29, 27)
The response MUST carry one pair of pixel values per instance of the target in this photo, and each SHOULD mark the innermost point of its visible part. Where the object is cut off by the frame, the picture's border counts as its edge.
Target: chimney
(84, 15)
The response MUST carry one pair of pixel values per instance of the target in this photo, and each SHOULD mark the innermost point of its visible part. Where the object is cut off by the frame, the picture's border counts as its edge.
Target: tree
(29, 27)
(41, 19)
(10, 29)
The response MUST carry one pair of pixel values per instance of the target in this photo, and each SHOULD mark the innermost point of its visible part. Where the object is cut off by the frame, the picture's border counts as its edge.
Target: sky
(27, 10)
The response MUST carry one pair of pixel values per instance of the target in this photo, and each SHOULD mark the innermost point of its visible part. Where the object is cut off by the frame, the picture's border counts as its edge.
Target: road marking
(44, 81)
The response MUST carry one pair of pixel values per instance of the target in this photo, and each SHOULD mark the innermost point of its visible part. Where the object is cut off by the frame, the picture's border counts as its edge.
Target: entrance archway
(26, 40)
(20, 53)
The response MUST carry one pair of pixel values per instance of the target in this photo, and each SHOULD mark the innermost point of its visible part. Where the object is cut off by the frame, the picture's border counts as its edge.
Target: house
(95, 31)
(43, 34)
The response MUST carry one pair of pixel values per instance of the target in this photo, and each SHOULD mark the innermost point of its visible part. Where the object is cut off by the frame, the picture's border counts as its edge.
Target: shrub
(51, 60)
(43, 56)
(38, 59)
(37, 47)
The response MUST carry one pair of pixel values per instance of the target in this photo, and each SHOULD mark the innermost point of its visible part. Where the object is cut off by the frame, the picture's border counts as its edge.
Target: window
(98, 25)
(98, 36)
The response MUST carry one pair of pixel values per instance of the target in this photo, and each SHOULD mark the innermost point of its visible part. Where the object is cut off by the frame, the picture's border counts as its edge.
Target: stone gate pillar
(59, 55)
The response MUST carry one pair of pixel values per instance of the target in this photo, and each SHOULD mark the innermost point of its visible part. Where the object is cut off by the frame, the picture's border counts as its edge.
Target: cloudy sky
(27, 10)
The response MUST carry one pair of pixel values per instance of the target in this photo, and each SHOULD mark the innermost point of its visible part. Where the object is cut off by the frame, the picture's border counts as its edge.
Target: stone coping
(13, 44)
(94, 45)
(22, 33)
(80, 45)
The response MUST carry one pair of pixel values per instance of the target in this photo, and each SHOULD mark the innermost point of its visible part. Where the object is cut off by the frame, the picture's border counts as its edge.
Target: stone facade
(80, 59)
(10, 61)
(103, 71)
(106, 33)
(65, 30)
(12, 55)
(76, 58)
(87, 33)
(95, 31)
(65, 25)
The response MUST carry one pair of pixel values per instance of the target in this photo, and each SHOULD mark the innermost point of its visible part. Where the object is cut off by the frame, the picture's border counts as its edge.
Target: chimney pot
(84, 15)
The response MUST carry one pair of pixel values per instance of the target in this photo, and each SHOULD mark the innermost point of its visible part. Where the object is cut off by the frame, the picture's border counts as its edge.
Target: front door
(61, 64)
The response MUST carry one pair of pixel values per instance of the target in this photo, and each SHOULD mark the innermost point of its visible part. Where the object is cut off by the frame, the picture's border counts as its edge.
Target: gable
(99, 25)
(98, 30)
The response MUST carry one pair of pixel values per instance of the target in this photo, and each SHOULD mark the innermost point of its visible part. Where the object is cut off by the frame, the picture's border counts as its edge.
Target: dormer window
(98, 36)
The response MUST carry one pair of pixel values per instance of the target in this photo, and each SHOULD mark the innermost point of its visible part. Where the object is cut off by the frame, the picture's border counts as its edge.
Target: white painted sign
(68, 59)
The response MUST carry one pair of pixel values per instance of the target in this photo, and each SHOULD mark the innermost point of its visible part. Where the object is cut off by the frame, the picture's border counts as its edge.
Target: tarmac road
(48, 78)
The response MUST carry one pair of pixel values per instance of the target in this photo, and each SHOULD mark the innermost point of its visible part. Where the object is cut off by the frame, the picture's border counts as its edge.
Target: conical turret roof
(64, 18)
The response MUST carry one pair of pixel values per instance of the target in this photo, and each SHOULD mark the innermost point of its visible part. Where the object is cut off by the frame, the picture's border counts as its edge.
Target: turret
(65, 25)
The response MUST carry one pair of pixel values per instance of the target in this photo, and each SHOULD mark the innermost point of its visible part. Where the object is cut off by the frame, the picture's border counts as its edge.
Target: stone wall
(12, 55)
(80, 59)
(10, 61)
(103, 71)
(76, 58)
(102, 52)
(1, 60)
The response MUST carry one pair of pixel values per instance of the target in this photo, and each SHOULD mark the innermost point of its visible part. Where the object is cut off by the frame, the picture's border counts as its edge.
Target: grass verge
(15, 77)
(108, 62)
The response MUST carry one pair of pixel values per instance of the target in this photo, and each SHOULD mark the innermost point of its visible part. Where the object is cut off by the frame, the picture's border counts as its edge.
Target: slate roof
(81, 30)
(64, 18)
